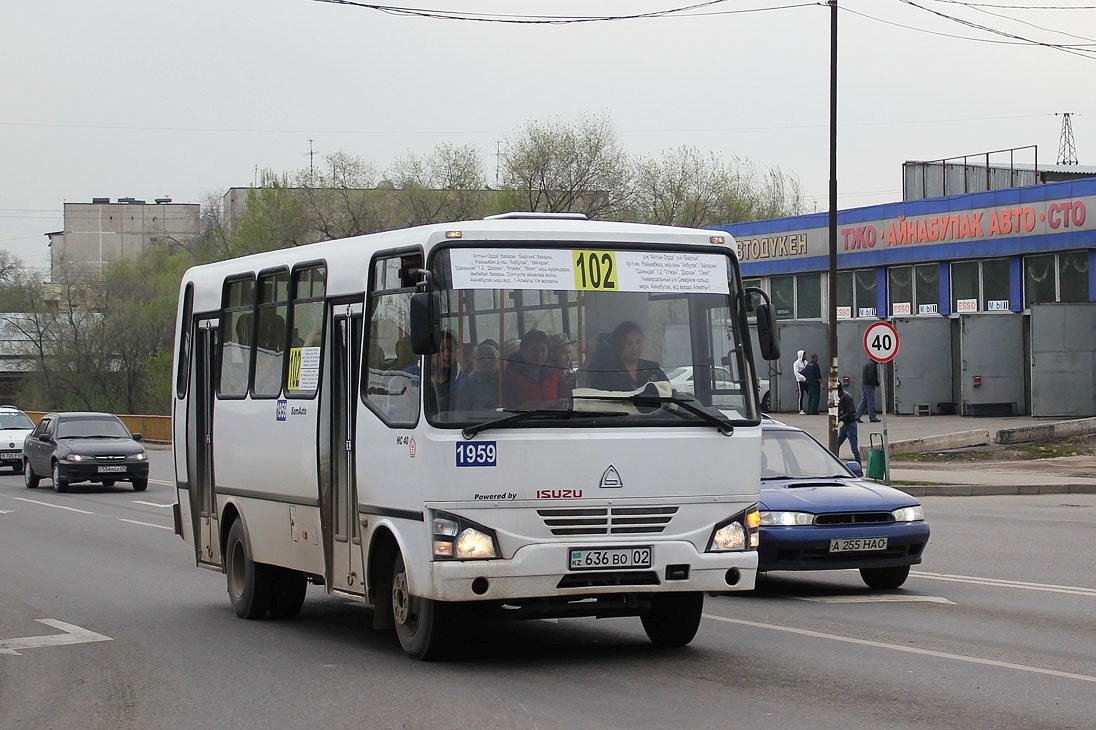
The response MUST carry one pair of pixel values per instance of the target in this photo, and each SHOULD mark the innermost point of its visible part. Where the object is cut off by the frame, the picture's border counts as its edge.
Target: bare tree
(569, 167)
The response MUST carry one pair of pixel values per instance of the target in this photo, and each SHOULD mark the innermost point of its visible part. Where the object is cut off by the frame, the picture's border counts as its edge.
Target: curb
(993, 490)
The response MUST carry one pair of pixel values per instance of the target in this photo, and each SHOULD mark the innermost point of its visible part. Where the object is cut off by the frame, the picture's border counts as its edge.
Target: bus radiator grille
(607, 520)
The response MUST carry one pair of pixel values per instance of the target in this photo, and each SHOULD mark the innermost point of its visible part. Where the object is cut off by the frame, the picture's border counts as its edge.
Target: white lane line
(73, 635)
(5, 511)
(1045, 587)
(146, 524)
(161, 481)
(906, 649)
(881, 598)
(152, 504)
(56, 506)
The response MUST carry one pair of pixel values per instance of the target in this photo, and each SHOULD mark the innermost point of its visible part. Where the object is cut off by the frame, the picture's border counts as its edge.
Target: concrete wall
(1063, 359)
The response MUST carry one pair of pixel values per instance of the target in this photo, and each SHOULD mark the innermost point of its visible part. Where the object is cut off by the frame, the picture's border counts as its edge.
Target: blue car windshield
(795, 455)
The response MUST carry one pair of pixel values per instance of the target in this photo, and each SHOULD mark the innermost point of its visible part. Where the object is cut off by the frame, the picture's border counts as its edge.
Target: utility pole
(311, 156)
(1067, 151)
(832, 280)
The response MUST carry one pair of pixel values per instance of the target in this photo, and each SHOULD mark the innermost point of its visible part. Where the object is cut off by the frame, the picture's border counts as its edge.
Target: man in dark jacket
(869, 382)
(846, 415)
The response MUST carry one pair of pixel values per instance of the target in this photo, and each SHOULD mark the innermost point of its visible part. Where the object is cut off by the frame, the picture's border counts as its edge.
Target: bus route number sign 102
(595, 270)
(481, 453)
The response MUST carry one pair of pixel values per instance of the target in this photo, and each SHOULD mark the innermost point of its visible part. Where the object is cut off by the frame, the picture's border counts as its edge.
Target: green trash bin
(877, 458)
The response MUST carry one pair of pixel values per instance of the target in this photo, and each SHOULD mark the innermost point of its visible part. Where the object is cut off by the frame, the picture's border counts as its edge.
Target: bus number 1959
(482, 453)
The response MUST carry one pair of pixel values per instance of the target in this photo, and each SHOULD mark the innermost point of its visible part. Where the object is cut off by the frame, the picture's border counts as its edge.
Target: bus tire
(287, 596)
(420, 622)
(249, 583)
(673, 618)
(29, 477)
(885, 578)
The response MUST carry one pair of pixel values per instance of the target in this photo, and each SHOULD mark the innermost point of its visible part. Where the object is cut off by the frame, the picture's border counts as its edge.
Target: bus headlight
(472, 544)
(736, 534)
(456, 538)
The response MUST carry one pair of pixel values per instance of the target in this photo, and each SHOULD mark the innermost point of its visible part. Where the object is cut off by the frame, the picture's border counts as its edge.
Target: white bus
(473, 417)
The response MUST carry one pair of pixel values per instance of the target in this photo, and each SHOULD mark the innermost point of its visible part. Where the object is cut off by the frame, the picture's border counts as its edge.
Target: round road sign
(881, 341)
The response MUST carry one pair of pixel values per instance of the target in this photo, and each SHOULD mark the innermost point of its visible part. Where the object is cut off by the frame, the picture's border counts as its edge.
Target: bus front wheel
(420, 622)
(249, 583)
(674, 618)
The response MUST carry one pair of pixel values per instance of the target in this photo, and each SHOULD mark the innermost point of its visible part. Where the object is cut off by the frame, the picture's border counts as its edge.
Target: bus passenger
(625, 369)
(480, 391)
(561, 359)
(526, 379)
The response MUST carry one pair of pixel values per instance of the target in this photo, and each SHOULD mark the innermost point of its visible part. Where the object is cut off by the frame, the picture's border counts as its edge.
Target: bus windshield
(636, 336)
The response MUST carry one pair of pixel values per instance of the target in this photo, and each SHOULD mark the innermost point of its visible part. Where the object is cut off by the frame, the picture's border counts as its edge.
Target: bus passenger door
(199, 446)
(346, 337)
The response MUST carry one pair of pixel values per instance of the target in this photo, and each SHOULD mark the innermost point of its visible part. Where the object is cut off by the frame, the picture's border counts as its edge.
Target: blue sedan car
(817, 514)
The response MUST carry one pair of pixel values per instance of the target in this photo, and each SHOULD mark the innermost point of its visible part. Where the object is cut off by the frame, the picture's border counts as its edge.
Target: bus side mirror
(768, 337)
(425, 322)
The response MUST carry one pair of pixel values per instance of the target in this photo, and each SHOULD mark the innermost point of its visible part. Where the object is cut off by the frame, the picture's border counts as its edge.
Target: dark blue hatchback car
(817, 514)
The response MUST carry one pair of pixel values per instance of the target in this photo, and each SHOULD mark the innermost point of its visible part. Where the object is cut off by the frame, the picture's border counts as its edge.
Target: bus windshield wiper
(653, 397)
(525, 415)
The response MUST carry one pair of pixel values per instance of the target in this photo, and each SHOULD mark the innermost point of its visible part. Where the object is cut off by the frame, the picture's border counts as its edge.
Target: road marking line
(1045, 587)
(73, 635)
(907, 649)
(57, 506)
(151, 504)
(146, 524)
(5, 511)
(881, 598)
(161, 481)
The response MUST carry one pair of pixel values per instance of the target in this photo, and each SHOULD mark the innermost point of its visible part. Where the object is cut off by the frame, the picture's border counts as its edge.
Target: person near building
(813, 373)
(869, 383)
(846, 415)
(801, 379)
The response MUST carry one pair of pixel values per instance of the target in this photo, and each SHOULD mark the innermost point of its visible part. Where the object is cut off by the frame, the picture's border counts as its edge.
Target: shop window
(1039, 276)
(926, 282)
(846, 304)
(808, 296)
(1073, 276)
(783, 296)
(901, 290)
(995, 285)
(865, 286)
(965, 289)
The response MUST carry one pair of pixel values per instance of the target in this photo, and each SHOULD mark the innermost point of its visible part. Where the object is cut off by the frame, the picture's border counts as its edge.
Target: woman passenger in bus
(526, 379)
(561, 359)
(625, 369)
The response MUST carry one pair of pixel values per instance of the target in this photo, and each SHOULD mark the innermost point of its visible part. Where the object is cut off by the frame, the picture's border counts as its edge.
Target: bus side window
(237, 325)
(391, 378)
(306, 331)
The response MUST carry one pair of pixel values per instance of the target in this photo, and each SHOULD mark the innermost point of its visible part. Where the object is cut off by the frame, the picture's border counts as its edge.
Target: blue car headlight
(909, 514)
(771, 518)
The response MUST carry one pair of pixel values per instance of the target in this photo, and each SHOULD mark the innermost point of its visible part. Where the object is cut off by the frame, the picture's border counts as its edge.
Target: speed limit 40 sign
(881, 341)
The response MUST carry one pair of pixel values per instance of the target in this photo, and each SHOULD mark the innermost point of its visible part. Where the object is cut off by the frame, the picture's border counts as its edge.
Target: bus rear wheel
(674, 618)
(287, 596)
(249, 583)
(420, 622)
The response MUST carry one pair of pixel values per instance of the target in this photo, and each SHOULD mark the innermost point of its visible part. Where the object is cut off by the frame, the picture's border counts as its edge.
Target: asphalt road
(997, 629)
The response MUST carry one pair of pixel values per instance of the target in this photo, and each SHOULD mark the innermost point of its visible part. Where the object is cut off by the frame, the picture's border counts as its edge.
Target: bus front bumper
(538, 571)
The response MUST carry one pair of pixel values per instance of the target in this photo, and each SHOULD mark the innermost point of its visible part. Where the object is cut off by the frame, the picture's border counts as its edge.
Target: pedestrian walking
(813, 374)
(869, 383)
(846, 414)
(801, 379)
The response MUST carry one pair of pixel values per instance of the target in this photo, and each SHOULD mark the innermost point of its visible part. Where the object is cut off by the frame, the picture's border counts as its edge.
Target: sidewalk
(1064, 475)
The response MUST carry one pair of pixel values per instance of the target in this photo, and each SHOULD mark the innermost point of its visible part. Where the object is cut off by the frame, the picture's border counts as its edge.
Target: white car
(15, 426)
(681, 378)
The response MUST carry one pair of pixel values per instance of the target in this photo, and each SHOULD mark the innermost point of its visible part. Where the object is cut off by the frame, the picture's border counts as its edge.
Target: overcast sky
(186, 99)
